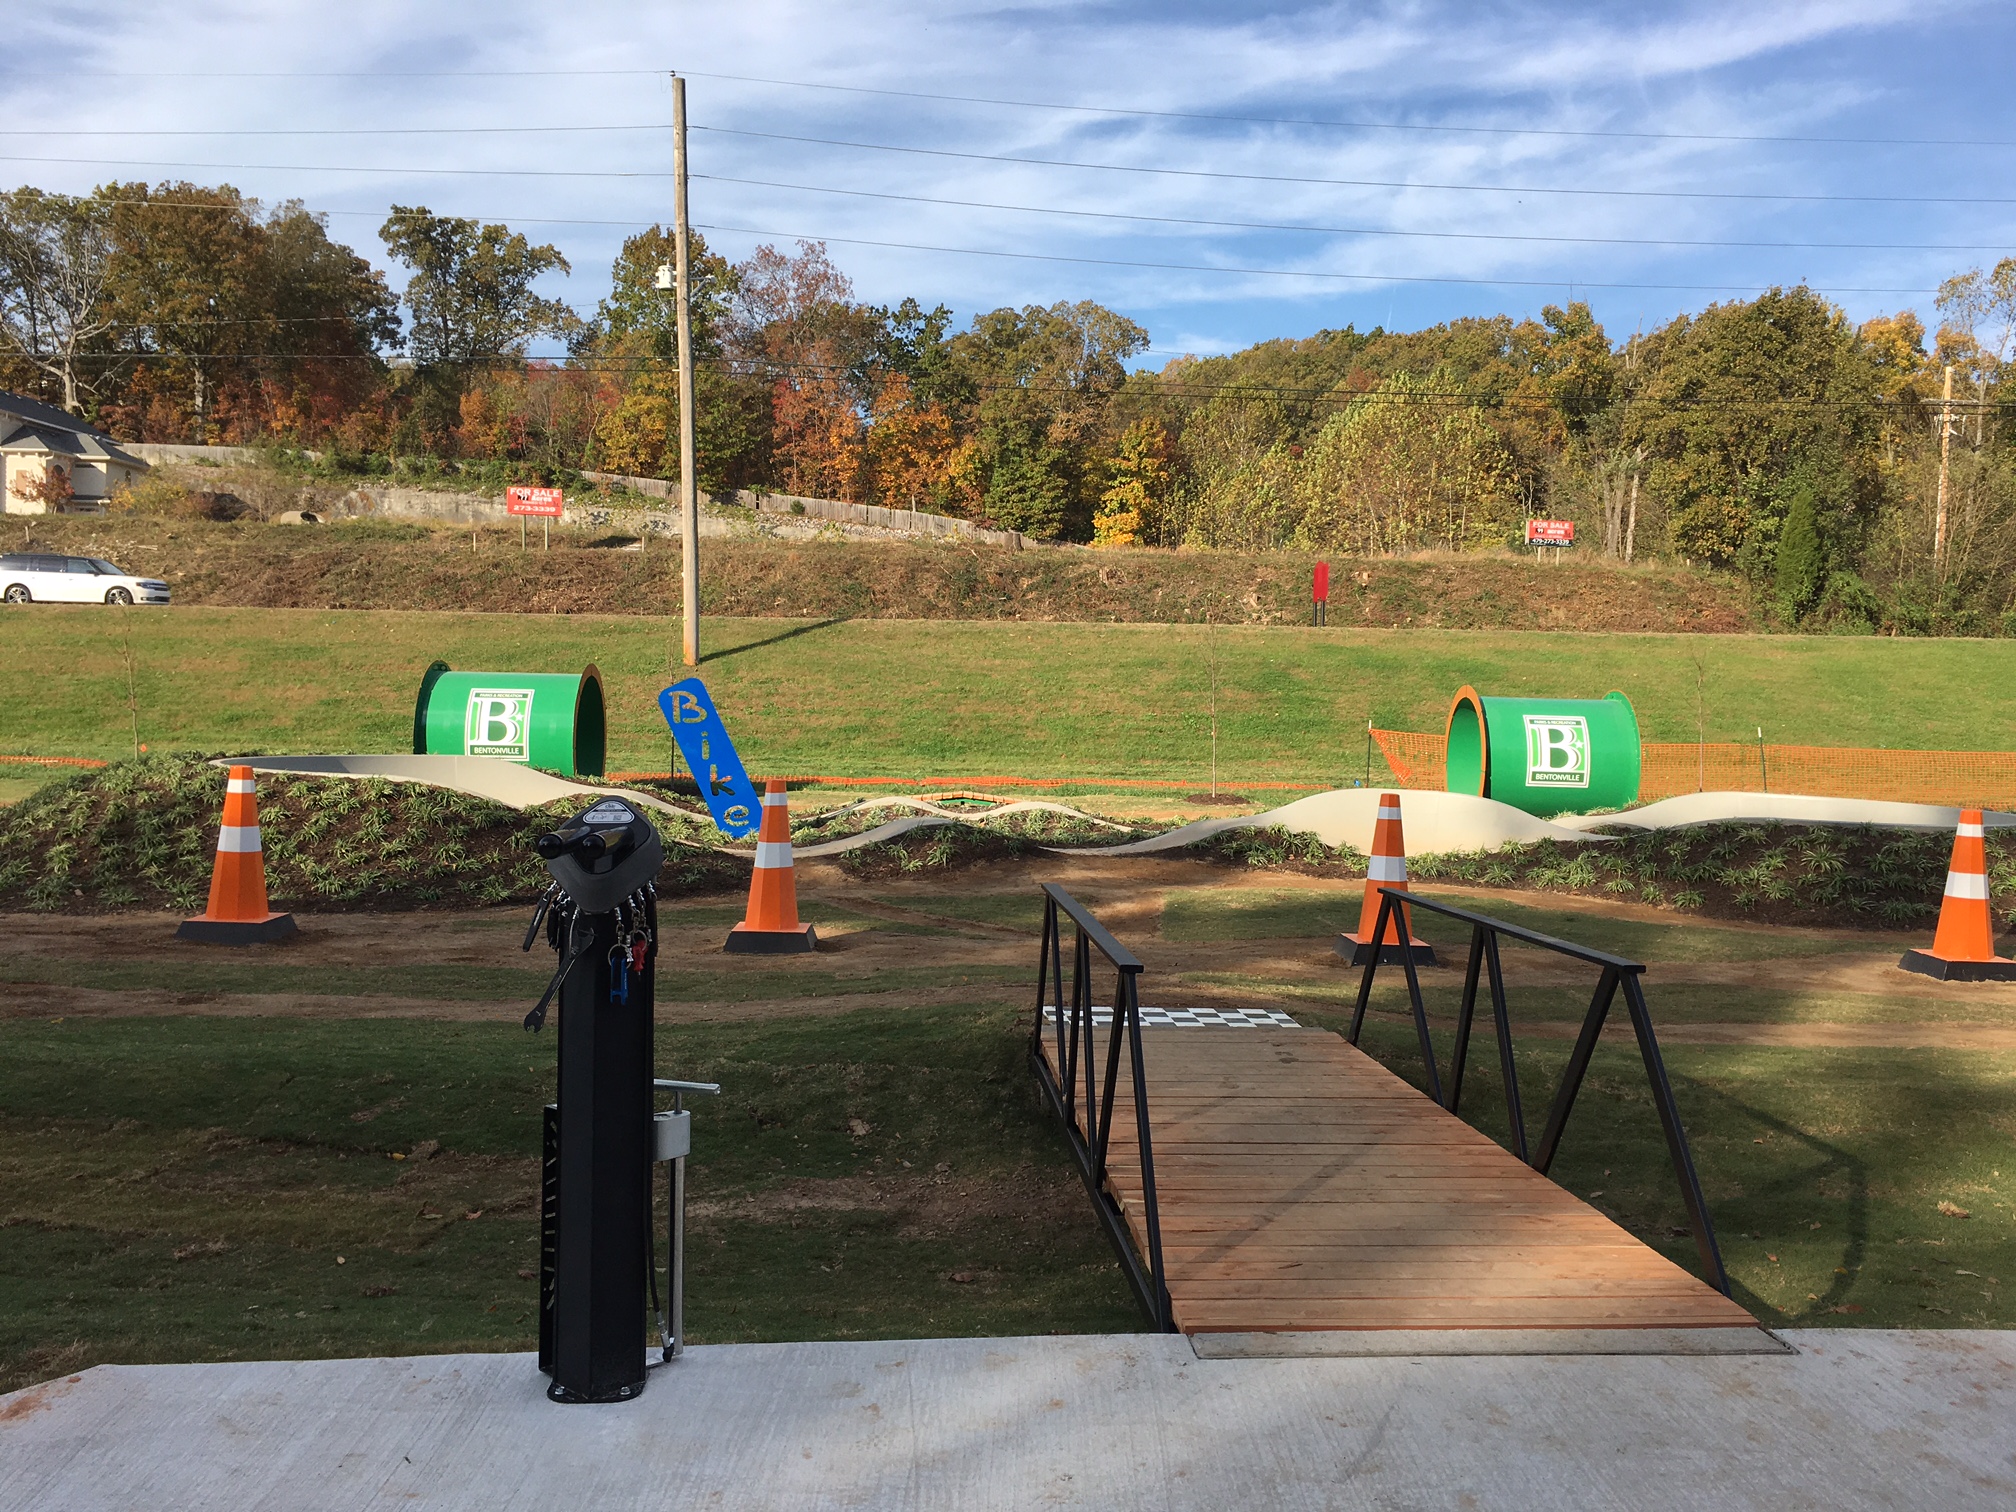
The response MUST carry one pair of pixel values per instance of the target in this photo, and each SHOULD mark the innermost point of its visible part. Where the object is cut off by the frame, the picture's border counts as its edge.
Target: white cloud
(1821, 69)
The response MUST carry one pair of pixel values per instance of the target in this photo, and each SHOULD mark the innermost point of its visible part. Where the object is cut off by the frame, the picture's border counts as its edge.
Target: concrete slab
(1856, 1419)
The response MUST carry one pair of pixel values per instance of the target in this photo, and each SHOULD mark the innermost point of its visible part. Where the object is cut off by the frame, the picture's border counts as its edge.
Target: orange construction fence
(73, 761)
(1960, 778)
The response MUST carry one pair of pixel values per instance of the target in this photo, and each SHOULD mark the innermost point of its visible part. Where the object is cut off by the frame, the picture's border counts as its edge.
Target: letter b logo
(1557, 750)
(498, 722)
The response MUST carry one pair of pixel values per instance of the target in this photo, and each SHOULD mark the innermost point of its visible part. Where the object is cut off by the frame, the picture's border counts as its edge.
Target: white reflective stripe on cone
(1386, 869)
(1966, 885)
(1389, 811)
(776, 800)
(1973, 832)
(239, 785)
(238, 837)
(773, 853)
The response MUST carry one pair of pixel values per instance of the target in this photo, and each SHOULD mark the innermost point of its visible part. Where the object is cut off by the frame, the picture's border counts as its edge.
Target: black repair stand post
(603, 1134)
(592, 1339)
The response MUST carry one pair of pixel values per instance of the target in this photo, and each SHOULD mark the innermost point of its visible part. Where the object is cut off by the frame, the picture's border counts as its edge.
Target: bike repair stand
(602, 1135)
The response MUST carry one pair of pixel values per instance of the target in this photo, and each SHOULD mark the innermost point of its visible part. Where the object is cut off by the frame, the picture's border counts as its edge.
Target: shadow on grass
(1829, 1160)
(707, 658)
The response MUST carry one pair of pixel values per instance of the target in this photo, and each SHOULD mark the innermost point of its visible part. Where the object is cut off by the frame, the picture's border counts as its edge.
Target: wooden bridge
(1292, 1184)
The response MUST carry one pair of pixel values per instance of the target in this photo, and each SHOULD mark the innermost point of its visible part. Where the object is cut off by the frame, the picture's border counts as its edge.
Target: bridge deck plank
(1304, 1186)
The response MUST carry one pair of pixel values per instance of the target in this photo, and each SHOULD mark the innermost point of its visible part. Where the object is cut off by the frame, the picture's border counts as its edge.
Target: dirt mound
(403, 565)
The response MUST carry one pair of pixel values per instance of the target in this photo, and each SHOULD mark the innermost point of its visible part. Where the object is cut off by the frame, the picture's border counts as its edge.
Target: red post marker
(1320, 592)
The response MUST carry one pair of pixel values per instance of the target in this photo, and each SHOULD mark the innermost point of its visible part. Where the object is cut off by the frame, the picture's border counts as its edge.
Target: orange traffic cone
(1963, 948)
(1388, 868)
(237, 914)
(771, 926)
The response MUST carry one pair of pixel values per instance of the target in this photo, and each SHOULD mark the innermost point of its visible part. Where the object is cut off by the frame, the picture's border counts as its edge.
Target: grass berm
(911, 699)
(140, 834)
(395, 564)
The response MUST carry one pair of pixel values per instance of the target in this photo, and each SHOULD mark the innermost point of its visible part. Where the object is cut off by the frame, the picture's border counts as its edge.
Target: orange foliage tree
(912, 447)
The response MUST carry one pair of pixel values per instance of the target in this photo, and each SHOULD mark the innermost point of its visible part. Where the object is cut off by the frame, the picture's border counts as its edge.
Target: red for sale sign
(1320, 589)
(534, 501)
(1550, 532)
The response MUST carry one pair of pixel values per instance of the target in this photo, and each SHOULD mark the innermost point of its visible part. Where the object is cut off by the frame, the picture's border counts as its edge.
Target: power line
(1159, 220)
(236, 207)
(373, 73)
(1342, 183)
(1580, 133)
(1167, 267)
(1170, 267)
(1364, 125)
(1488, 236)
(392, 170)
(396, 170)
(318, 131)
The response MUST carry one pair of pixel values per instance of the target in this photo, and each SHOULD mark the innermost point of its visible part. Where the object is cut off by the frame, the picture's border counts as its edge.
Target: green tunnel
(1544, 755)
(548, 720)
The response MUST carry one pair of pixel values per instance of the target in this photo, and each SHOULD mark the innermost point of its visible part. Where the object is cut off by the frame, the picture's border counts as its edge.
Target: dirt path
(1853, 996)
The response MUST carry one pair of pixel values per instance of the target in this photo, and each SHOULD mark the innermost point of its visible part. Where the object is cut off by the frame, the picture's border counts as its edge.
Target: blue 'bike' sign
(710, 756)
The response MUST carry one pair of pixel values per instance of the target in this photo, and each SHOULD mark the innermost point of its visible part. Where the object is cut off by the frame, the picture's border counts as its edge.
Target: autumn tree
(1042, 382)
(1404, 467)
(186, 293)
(470, 300)
(1138, 486)
(470, 295)
(236, 320)
(55, 253)
(1982, 308)
(1229, 468)
(1738, 397)
(633, 344)
(793, 321)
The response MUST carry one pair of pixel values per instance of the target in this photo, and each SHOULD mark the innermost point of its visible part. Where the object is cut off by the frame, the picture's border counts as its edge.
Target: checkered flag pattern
(1191, 1018)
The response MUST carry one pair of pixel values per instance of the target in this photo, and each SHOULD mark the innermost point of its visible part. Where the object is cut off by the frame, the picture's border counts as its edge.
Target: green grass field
(180, 1184)
(954, 698)
(183, 1188)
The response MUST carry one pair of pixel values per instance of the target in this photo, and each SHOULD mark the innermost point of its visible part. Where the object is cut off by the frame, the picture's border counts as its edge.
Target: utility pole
(689, 487)
(1945, 448)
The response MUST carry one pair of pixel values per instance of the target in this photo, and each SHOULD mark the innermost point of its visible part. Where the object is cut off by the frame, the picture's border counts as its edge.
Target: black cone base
(1390, 954)
(264, 931)
(745, 941)
(1926, 964)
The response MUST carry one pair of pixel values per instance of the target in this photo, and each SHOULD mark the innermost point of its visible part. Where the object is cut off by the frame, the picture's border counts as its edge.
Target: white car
(31, 577)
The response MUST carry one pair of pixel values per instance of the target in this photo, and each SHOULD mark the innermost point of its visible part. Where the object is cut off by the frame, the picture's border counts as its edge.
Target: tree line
(1770, 437)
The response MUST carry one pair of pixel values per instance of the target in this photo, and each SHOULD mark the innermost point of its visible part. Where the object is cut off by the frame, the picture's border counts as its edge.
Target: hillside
(923, 698)
(389, 565)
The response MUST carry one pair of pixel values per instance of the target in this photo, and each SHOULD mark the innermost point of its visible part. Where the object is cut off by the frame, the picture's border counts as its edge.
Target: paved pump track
(1437, 823)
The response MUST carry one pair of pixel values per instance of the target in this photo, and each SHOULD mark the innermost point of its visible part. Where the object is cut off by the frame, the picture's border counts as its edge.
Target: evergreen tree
(1802, 559)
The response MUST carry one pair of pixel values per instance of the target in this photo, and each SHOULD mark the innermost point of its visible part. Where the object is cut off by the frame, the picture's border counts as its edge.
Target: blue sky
(1657, 105)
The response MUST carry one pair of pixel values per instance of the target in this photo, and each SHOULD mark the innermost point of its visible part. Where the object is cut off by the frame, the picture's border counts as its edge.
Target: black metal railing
(1616, 973)
(1088, 1120)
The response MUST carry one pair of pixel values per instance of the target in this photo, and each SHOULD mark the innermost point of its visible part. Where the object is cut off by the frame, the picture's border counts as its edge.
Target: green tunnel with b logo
(550, 720)
(1545, 755)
